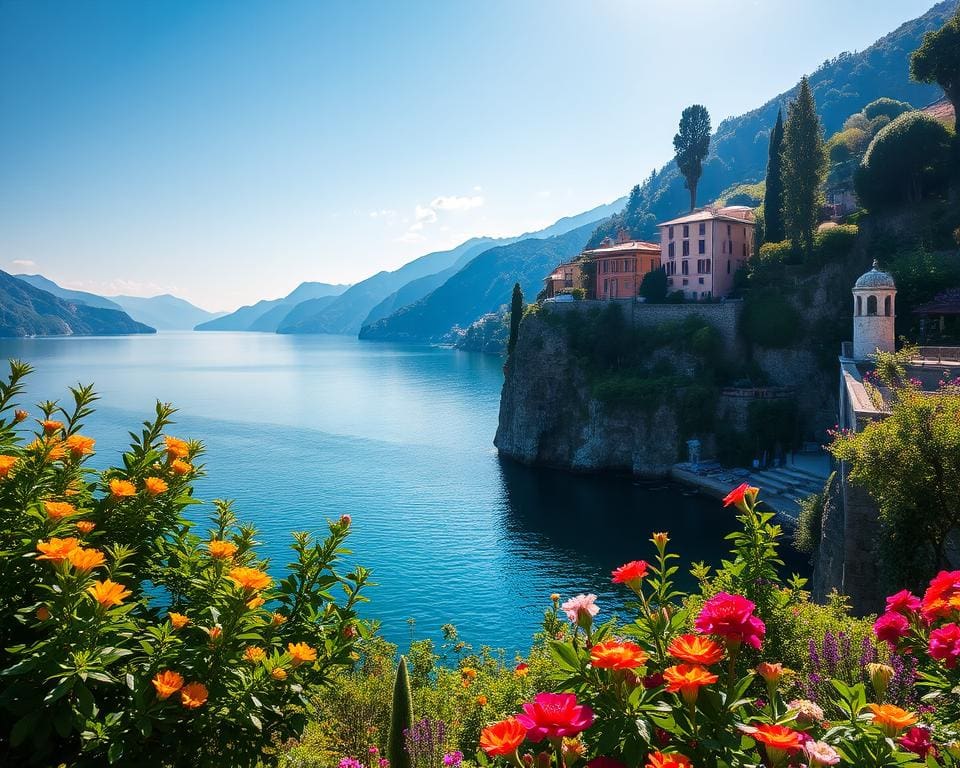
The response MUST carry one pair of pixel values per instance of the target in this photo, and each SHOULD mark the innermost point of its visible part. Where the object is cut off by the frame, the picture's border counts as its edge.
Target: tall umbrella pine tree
(691, 144)
(804, 166)
(773, 194)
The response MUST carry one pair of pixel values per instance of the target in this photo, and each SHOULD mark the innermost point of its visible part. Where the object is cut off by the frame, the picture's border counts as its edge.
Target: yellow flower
(56, 550)
(178, 620)
(57, 510)
(181, 467)
(193, 695)
(660, 539)
(155, 486)
(167, 683)
(279, 673)
(222, 550)
(301, 653)
(85, 526)
(108, 593)
(255, 602)
(121, 489)
(249, 579)
(176, 448)
(254, 654)
(481, 701)
(84, 560)
(51, 426)
(79, 446)
(6, 464)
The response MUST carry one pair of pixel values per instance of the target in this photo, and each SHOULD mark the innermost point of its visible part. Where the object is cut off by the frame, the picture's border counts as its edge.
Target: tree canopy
(773, 194)
(937, 60)
(691, 145)
(654, 286)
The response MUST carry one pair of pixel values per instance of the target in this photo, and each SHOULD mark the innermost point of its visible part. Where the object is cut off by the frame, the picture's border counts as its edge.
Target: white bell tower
(874, 313)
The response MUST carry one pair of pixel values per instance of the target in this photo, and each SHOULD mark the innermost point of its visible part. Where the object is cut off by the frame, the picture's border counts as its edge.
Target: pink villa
(565, 278)
(621, 267)
(702, 251)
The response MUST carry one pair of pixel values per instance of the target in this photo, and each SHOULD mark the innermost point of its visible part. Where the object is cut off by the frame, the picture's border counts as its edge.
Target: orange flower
(254, 654)
(301, 653)
(255, 602)
(176, 448)
(167, 683)
(181, 467)
(469, 672)
(79, 446)
(278, 673)
(772, 672)
(6, 464)
(43, 613)
(50, 426)
(214, 633)
(502, 738)
(614, 655)
(277, 619)
(221, 549)
(178, 620)
(481, 701)
(121, 489)
(660, 539)
(84, 560)
(668, 760)
(193, 695)
(891, 719)
(56, 550)
(687, 679)
(522, 669)
(695, 649)
(57, 510)
(778, 739)
(85, 526)
(249, 579)
(155, 486)
(740, 495)
(20, 415)
(108, 593)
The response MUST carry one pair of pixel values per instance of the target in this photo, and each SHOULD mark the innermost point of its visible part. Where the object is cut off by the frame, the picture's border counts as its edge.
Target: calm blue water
(301, 429)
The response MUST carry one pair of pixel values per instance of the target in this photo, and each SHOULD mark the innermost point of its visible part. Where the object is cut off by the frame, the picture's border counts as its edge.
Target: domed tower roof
(875, 278)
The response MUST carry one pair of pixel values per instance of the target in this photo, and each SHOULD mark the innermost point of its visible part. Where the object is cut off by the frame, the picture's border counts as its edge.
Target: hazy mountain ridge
(79, 297)
(29, 311)
(268, 314)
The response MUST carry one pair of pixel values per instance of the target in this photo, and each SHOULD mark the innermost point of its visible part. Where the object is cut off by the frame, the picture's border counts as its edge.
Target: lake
(302, 429)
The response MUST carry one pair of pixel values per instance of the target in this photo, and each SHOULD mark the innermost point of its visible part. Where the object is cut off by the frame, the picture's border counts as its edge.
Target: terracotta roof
(632, 245)
(941, 110)
(706, 214)
(946, 303)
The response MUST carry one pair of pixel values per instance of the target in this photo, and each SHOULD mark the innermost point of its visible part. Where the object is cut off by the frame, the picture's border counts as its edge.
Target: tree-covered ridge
(29, 311)
(739, 148)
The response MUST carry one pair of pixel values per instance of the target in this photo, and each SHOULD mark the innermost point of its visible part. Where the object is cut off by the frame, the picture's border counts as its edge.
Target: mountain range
(29, 311)
(268, 314)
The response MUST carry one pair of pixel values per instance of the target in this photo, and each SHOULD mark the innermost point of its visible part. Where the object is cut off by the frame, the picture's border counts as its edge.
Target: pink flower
(903, 602)
(945, 644)
(891, 627)
(820, 753)
(554, 716)
(581, 609)
(731, 617)
(917, 740)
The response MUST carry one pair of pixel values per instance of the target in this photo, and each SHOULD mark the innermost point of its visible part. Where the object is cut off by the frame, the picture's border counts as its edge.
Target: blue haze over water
(301, 429)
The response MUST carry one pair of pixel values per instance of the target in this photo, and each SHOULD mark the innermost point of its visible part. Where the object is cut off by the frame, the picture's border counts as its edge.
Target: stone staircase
(781, 487)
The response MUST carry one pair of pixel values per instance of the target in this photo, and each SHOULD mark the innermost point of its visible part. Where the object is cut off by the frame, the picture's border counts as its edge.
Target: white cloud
(23, 263)
(383, 213)
(424, 215)
(455, 203)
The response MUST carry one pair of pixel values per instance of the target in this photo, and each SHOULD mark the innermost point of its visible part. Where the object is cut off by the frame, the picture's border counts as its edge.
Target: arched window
(871, 305)
(859, 305)
(887, 306)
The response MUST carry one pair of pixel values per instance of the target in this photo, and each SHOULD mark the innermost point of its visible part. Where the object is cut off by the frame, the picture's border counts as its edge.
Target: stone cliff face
(548, 415)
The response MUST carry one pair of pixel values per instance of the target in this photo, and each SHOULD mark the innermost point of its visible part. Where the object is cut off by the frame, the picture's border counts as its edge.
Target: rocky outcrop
(549, 417)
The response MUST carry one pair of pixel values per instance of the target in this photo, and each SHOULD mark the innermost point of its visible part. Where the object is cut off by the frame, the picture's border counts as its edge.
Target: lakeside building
(702, 251)
(621, 266)
(565, 278)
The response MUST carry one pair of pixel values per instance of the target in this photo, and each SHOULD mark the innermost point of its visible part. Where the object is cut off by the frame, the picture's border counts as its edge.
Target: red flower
(891, 627)
(740, 495)
(502, 738)
(554, 716)
(777, 737)
(917, 740)
(731, 617)
(942, 596)
(903, 602)
(631, 573)
(945, 644)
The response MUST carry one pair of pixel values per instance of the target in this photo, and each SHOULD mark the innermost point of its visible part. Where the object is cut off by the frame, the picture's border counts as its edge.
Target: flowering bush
(126, 637)
(669, 689)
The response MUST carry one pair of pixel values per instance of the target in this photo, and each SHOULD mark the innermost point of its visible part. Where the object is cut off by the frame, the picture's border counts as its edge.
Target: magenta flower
(917, 740)
(903, 602)
(731, 617)
(945, 644)
(891, 627)
(581, 608)
(554, 716)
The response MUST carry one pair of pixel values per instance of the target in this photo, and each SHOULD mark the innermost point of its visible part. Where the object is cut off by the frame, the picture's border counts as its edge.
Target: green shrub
(834, 244)
(777, 253)
(769, 320)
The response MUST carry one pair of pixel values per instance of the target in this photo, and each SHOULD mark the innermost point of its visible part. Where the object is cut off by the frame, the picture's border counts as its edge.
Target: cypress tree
(773, 196)
(804, 166)
(516, 314)
(401, 718)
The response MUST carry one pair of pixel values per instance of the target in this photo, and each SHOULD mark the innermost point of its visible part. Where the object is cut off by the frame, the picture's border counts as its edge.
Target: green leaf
(565, 655)
(22, 728)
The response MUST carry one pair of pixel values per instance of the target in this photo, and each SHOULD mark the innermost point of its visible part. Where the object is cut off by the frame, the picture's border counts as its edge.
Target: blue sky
(226, 151)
